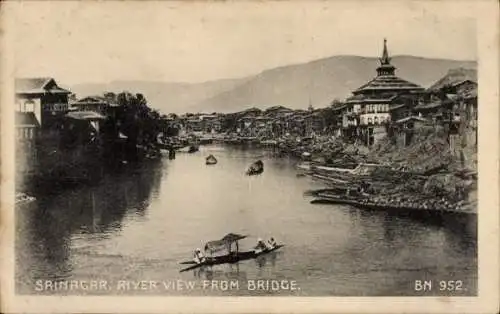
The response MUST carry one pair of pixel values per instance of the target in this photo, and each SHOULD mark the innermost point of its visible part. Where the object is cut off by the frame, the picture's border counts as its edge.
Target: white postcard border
(487, 300)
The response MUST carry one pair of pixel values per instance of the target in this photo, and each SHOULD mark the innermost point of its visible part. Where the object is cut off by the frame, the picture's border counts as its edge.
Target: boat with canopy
(232, 256)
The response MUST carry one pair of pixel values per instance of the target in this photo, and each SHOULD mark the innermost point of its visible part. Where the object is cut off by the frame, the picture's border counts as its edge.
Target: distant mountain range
(295, 86)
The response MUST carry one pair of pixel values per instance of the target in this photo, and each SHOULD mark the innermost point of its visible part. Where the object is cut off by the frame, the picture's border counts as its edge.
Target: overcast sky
(192, 42)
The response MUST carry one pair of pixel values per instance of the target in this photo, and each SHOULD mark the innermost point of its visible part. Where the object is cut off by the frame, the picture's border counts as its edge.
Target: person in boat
(198, 256)
(256, 168)
(271, 244)
(261, 246)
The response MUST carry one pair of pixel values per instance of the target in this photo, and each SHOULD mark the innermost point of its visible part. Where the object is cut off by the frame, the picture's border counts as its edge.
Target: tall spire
(385, 68)
(385, 55)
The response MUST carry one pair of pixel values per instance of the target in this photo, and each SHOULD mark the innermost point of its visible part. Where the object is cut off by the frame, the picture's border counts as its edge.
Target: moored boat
(306, 156)
(364, 201)
(193, 149)
(305, 166)
(361, 172)
(23, 198)
(269, 142)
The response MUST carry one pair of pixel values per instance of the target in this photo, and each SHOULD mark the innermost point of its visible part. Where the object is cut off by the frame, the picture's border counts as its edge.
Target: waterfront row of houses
(49, 117)
(387, 101)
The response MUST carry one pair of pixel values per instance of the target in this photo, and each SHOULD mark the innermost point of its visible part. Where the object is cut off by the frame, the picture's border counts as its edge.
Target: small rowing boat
(23, 198)
(256, 168)
(211, 160)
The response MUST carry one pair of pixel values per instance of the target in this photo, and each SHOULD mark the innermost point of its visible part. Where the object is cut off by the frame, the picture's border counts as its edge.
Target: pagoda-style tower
(371, 105)
(386, 82)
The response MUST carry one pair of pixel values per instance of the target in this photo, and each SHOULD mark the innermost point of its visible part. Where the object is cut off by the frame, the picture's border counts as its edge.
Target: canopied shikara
(231, 257)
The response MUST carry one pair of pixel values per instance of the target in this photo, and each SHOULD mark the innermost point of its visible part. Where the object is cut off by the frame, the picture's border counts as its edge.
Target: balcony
(56, 107)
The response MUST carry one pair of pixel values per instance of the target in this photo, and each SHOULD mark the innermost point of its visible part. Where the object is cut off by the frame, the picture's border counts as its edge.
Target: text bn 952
(441, 285)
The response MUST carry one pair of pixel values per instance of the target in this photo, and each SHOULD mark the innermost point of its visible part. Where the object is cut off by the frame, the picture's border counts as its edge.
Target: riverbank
(428, 174)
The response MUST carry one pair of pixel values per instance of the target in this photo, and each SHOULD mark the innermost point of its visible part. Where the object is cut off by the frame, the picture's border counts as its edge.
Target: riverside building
(368, 111)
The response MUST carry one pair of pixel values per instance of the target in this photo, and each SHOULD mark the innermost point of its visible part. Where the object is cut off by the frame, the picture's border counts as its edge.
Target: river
(139, 225)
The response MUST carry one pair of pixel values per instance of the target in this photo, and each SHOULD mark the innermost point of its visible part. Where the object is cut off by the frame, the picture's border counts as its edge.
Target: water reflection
(49, 226)
(263, 260)
(229, 272)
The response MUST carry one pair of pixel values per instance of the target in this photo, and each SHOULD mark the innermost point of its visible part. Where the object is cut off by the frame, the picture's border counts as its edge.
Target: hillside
(323, 80)
(319, 82)
(165, 96)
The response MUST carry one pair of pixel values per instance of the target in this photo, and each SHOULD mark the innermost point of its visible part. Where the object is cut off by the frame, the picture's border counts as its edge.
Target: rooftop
(279, 107)
(85, 115)
(414, 118)
(388, 83)
(431, 105)
(91, 99)
(361, 98)
(38, 85)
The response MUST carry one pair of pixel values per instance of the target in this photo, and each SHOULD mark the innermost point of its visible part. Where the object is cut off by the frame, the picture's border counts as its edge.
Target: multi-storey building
(93, 104)
(44, 98)
(27, 129)
(369, 109)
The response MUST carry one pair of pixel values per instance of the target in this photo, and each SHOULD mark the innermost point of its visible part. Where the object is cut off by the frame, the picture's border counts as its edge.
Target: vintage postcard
(249, 156)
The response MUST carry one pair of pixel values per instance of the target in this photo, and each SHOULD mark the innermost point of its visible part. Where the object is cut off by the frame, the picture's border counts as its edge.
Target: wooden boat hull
(211, 160)
(253, 172)
(230, 259)
(324, 199)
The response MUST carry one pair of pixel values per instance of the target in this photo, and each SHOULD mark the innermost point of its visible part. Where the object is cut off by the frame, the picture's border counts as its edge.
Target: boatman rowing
(264, 246)
(198, 256)
(271, 244)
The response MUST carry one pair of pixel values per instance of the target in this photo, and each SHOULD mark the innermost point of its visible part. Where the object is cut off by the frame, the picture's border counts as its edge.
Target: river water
(138, 226)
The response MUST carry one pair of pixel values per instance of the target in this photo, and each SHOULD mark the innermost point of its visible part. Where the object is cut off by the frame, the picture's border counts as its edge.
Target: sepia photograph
(280, 149)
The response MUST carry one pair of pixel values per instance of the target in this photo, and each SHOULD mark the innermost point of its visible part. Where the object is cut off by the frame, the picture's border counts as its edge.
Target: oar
(190, 267)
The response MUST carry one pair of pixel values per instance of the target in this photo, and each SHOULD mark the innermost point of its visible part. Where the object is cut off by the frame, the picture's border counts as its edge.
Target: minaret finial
(385, 54)
(385, 68)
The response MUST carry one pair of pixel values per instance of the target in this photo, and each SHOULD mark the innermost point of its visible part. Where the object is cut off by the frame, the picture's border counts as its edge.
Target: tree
(336, 103)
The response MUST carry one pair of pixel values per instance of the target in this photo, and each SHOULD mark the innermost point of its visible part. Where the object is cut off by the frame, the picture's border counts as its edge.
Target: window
(29, 106)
